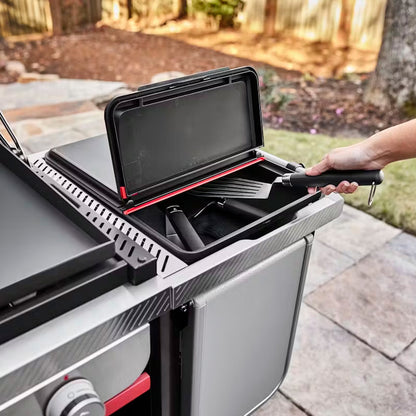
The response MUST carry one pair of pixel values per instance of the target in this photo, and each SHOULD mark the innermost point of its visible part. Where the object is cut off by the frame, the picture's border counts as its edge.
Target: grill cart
(138, 289)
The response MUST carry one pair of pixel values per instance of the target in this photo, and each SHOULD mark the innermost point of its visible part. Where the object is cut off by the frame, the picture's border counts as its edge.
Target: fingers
(343, 188)
(326, 190)
(351, 188)
(319, 168)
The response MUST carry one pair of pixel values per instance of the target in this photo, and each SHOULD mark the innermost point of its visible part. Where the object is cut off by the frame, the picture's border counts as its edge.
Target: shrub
(224, 10)
(272, 98)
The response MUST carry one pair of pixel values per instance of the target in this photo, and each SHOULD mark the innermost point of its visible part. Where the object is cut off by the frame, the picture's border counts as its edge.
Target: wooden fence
(21, 17)
(316, 20)
(18, 17)
(145, 12)
(319, 20)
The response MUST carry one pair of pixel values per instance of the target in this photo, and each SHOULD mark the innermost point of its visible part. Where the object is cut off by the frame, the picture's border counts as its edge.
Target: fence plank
(319, 20)
(19, 17)
(316, 20)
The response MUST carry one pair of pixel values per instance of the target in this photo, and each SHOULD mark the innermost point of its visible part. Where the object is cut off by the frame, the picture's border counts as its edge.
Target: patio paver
(33, 94)
(375, 300)
(325, 264)
(278, 405)
(333, 373)
(41, 134)
(356, 233)
(408, 358)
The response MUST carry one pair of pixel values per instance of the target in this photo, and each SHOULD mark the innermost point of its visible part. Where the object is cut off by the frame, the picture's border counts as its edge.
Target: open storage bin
(169, 138)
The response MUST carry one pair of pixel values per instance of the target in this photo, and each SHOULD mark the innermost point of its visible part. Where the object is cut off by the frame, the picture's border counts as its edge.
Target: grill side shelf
(145, 257)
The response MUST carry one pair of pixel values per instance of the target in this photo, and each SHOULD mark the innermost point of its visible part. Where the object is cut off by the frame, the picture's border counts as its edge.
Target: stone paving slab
(325, 264)
(334, 374)
(41, 134)
(405, 244)
(51, 140)
(278, 405)
(356, 233)
(375, 300)
(18, 95)
(408, 358)
(46, 111)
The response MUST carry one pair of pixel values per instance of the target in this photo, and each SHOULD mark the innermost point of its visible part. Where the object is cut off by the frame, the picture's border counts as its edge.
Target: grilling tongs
(247, 188)
(17, 150)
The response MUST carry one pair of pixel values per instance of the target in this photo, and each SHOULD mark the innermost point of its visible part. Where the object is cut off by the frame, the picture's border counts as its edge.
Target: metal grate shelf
(166, 262)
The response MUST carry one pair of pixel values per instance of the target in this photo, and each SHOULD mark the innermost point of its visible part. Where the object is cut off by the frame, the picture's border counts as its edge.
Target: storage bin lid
(169, 134)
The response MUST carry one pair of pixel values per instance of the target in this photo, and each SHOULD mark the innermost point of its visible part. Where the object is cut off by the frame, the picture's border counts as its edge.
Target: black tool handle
(244, 210)
(184, 228)
(335, 177)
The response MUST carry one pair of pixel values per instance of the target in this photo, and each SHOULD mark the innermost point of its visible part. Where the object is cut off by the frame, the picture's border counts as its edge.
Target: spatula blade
(234, 188)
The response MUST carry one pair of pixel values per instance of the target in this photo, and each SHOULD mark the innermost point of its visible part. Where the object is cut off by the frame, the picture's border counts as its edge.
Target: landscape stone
(34, 76)
(332, 373)
(15, 67)
(356, 233)
(165, 76)
(3, 60)
(375, 300)
(324, 265)
(278, 405)
(408, 358)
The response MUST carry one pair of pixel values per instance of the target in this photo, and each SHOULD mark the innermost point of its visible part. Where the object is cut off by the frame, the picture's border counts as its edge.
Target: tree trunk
(125, 9)
(56, 14)
(344, 30)
(393, 84)
(182, 6)
(270, 12)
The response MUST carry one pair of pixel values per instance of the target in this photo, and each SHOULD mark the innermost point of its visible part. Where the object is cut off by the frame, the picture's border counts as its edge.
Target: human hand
(357, 156)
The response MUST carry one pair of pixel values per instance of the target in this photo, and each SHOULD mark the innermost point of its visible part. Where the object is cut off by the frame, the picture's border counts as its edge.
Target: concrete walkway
(355, 350)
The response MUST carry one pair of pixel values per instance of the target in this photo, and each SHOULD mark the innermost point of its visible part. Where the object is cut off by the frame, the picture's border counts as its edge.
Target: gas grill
(175, 305)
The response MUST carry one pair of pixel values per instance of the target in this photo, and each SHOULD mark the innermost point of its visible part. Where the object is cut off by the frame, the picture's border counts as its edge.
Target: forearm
(390, 145)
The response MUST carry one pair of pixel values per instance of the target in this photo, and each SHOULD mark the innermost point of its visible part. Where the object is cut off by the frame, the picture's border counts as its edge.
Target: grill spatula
(247, 188)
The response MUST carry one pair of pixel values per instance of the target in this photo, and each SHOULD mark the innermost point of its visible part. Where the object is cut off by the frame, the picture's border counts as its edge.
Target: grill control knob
(75, 398)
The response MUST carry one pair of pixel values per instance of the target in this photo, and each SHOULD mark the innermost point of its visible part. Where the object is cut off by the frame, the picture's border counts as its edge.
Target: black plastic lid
(168, 134)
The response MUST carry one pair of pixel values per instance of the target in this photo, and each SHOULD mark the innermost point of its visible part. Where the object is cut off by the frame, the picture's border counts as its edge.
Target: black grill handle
(186, 232)
(242, 209)
(334, 177)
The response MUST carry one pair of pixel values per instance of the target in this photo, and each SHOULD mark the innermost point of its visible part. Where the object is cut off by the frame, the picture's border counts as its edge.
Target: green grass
(395, 199)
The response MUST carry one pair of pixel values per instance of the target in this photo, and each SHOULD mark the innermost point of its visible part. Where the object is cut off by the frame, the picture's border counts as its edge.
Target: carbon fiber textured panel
(255, 254)
(80, 348)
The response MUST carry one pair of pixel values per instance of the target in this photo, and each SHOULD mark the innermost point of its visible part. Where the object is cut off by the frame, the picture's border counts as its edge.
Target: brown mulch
(327, 106)
(333, 107)
(116, 55)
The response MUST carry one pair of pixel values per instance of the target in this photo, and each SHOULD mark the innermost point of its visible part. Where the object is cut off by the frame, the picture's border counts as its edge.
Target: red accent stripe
(123, 192)
(194, 185)
(140, 386)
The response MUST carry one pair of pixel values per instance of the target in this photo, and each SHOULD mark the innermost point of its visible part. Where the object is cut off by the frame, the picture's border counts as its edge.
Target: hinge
(181, 315)
(129, 204)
